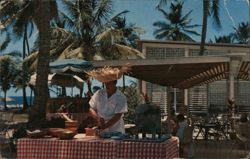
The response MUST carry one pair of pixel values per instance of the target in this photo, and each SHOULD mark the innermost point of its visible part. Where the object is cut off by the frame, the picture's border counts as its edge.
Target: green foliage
(8, 69)
(177, 26)
(242, 33)
(134, 98)
(224, 39)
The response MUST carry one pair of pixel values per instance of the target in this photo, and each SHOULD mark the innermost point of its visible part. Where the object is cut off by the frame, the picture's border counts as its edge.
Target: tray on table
(161, 139)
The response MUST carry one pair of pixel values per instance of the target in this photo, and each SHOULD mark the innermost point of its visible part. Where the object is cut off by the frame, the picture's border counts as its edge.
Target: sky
(143, 14)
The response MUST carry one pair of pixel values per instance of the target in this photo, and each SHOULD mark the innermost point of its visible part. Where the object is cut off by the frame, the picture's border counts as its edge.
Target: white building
(211, 97)
(173, 74)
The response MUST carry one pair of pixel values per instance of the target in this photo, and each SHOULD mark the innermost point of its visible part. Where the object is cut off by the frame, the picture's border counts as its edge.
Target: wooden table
(95, 148)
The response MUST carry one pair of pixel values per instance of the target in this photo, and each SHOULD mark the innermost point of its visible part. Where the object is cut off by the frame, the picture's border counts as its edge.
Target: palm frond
(5, 43)
(128, 52)
(103, 12)
(119, 14)
(112, 35)
(186, 16)
(138, 30)
(165, 14)
(215, 12)
(161, 3)
(191, 32)
(15, 53)
(68, 22)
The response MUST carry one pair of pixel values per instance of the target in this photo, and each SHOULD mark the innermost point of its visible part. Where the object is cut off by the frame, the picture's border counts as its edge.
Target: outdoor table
(93, 148)
(207, 127)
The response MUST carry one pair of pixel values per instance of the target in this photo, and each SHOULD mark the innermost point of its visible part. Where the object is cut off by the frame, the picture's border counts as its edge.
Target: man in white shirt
(107, 106)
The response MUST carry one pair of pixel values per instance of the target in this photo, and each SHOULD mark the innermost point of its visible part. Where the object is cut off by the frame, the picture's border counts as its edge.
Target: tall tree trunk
(204, 26)
(25, 103)
(37, 115)
(5, 102)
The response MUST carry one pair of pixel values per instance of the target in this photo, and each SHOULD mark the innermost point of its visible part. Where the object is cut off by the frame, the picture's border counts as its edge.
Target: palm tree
(42, 21)
(117, 41)
(224, 39)
(130, 32)
(8, 69)
(23, 28)
(177, 26)
(88, 32)
(84, 19)
(19, 17)
(242, 33)
(210, 8)
(90, 23)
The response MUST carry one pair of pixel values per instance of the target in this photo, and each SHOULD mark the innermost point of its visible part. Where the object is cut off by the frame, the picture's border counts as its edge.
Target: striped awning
(179, 72)
(244, 72)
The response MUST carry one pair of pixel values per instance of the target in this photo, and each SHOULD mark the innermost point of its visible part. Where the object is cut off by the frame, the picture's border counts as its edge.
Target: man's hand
(101, 122)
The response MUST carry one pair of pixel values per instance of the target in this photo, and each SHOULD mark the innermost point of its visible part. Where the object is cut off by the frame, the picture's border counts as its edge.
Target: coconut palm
(84, 19)
(8, 69)
(42, 21)
(224, 39)
(210, 8)
(176, 27)
(18, 16)
(41, 15)
(117, 41)
(242, 33)
(129, 32)
(89, 33)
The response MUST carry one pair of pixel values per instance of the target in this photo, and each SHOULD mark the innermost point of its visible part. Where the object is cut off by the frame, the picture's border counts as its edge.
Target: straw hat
(108, 74)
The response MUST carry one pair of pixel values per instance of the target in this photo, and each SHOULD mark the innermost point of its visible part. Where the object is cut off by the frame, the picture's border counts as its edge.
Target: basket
(66, 135)
(71, 125)
(90, 132)
(36, 133)
(54, 131)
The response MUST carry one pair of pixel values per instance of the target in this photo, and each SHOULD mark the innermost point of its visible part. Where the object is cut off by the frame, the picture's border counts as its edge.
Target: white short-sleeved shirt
(108, 107)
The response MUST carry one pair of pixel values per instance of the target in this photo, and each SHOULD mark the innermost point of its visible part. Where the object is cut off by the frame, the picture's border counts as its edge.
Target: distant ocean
(17, 102)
